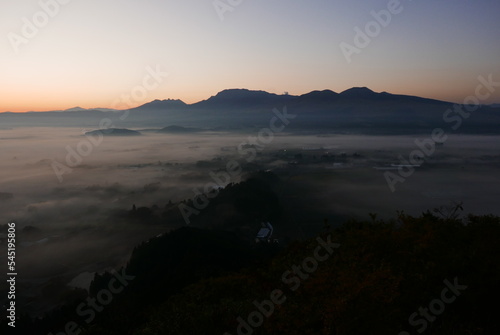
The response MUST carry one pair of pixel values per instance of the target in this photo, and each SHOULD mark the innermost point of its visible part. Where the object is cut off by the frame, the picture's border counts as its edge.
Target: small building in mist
(265, 233)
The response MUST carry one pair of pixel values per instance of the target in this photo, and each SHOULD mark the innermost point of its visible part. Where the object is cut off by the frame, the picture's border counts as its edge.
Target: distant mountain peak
(317, 93)
(234, 90)
(360, 91)
(240, 92)
(162, 104)
(244, 98)
(321, 97)
(75, 109)
(176, 101)
(326, 91)
(167, 100)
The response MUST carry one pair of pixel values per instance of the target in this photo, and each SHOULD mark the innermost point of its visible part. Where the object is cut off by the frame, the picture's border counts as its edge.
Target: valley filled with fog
(75, 224)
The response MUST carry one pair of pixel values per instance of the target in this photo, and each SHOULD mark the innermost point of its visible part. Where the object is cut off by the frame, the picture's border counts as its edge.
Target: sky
(94, 53)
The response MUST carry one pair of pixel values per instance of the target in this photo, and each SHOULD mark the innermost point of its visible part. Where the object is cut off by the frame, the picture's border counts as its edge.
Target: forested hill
(369, 277)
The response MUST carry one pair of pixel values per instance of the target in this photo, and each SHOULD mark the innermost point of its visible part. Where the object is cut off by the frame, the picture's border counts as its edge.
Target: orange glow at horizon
(264, 45)
(41, 102)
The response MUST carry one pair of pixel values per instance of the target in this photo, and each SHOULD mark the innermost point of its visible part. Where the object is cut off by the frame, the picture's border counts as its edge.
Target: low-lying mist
(65, 208)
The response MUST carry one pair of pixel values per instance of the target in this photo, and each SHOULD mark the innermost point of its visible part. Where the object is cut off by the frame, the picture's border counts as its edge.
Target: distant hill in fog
(178, 129)
(356, 110)
(114, 132)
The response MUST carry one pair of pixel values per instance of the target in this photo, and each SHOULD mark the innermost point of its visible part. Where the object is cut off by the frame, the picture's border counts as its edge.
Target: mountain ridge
(246, 99)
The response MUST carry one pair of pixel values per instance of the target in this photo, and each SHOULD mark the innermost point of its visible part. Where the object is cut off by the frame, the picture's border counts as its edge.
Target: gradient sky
(93, 51)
